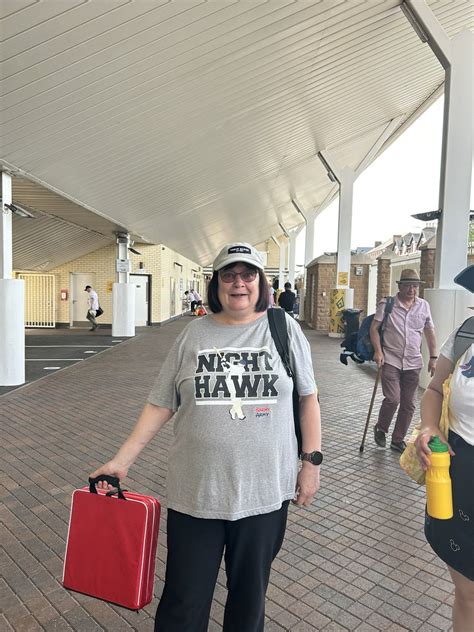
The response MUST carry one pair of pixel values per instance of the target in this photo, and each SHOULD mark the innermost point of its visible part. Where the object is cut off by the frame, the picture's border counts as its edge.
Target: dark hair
(212, 290)
(287, 285)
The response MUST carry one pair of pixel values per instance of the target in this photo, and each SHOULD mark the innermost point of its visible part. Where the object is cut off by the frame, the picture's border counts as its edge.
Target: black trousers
(195, 549)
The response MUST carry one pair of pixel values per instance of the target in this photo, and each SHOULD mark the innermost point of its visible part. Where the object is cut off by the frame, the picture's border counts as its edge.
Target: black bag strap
(279, 332)
(464, 338)
(389, 301)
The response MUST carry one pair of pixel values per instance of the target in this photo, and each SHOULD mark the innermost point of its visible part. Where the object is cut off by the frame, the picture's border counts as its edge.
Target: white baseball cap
(240, 252)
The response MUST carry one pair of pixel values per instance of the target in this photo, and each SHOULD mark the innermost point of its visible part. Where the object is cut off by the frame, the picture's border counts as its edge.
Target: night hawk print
(235, 378)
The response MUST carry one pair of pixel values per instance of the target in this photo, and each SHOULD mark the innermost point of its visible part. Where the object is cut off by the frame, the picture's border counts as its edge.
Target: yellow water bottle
(439, 494)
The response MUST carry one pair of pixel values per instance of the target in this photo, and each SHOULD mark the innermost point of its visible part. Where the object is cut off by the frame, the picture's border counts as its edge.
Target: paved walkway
(356, 560)
(50, 350)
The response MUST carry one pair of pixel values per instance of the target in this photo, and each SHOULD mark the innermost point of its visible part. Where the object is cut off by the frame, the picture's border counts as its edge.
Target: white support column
(292, 258)
(281, 262)
(308, 256)
(456, 162)
(281, 271)
(123, 292)
(123, 260)
(309, 238)
(344, 231)
(6, 244)
(309, 220)
(343, 296)
(12, 300)
(456, 55)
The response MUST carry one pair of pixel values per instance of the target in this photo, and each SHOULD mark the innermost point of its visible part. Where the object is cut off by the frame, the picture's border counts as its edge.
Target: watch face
(316, 458)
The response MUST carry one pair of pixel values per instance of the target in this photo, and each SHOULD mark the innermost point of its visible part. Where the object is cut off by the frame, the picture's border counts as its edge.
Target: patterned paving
(355, 560)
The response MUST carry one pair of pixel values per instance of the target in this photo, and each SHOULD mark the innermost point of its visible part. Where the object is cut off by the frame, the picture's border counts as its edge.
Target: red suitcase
(111, 545)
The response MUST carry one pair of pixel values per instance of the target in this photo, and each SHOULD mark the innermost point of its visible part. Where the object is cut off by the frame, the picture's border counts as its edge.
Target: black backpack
(357, 344)
(279, 332)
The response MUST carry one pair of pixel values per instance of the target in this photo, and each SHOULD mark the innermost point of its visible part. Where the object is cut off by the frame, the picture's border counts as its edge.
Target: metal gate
(39, 299)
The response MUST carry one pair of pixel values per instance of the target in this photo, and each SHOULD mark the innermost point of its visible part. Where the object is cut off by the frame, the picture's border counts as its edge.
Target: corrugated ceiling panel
(43, 243)
(207, 112)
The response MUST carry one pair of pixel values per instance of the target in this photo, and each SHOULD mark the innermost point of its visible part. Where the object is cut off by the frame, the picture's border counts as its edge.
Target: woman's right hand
(423, 451)
(111, 468)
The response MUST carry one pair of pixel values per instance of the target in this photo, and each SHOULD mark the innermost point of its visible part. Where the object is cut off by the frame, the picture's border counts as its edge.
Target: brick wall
(427, 268)
(325, 283)
(384, 276)
(321, 280)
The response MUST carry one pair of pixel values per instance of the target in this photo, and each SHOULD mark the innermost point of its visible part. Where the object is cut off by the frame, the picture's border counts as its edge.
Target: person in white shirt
(195, 298)
(93, 306)
(453, 540)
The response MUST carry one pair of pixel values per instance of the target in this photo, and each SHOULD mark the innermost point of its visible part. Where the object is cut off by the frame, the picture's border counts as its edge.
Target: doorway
(79, 302)
(142, 284)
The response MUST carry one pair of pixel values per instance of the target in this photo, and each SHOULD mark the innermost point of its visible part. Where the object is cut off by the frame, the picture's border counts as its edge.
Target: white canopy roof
(195, 123)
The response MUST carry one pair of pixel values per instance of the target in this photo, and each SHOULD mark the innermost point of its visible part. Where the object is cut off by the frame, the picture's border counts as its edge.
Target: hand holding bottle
(439, 495)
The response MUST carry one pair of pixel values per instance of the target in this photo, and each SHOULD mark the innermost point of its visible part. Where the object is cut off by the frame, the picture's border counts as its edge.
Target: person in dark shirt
(287, 299)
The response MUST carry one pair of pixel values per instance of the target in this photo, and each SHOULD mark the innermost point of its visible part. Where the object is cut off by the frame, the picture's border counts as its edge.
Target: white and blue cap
(240, 252)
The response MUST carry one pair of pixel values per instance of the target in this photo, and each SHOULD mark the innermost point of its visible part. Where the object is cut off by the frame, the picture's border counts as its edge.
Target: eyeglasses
(228, 276)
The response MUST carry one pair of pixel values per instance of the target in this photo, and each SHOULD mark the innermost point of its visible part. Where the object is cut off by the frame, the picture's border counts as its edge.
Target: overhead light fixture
(330, 173)
(19, 211)
(430, 216)
(411, 17)
(135, 252)
(427, 217)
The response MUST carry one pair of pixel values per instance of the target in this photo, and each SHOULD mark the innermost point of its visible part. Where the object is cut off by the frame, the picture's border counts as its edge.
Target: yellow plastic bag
(409, 461)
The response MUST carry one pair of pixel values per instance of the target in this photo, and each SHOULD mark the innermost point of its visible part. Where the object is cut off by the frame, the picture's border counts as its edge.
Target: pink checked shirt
(403, 333)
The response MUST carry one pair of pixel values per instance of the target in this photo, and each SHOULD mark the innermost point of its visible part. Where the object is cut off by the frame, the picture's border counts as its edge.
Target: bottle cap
(436, 445)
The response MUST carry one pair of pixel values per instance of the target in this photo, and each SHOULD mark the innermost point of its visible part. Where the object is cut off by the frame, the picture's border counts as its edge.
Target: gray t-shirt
(234, 452)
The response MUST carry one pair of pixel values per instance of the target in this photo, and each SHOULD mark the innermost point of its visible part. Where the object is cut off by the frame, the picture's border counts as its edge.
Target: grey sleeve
(164, 391)
(300, 358)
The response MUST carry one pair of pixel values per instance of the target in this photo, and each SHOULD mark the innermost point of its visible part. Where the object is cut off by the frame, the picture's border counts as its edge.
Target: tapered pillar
(12, 300)
(123, 292)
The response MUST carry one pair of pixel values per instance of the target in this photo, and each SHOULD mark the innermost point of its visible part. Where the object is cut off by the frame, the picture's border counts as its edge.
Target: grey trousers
(399, 389)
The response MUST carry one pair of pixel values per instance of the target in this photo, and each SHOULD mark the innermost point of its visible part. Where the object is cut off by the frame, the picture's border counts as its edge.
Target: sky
(402, 181)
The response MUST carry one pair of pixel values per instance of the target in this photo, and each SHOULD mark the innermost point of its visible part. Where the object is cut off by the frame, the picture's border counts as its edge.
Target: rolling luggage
(111, 544)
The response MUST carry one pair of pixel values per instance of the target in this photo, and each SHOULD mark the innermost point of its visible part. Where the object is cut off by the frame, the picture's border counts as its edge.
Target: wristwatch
(316, 458)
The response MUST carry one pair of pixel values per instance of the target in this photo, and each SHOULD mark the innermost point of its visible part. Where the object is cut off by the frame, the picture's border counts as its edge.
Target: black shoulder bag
(279, 332)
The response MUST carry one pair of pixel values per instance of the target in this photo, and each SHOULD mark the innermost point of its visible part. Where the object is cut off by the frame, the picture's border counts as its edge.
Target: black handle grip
(111, 480)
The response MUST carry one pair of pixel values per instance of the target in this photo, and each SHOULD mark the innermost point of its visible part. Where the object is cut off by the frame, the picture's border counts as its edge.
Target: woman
(233, 464)
(453, 540)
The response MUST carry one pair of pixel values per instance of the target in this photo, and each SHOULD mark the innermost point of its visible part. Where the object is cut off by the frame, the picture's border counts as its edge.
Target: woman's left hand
(307, 484)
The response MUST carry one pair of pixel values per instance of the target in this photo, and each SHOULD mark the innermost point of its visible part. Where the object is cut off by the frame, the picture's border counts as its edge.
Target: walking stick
(377, 378)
